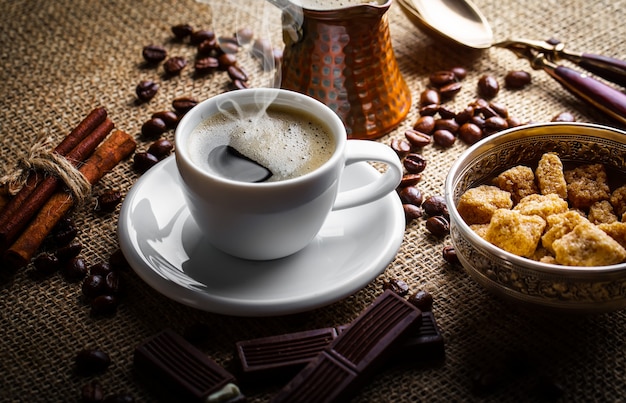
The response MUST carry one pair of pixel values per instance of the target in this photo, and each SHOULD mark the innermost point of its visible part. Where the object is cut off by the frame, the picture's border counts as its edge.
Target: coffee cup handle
(387, 182)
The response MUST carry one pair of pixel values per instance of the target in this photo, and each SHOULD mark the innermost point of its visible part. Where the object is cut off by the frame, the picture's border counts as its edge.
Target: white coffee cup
(270, 220)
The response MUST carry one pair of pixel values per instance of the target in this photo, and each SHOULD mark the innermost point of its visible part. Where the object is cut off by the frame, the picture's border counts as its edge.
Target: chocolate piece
(337, 372)
(169, 360)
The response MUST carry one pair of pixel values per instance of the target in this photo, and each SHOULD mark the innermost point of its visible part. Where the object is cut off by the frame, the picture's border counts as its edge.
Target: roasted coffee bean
(206, 65)
(410, 180)
(93, 285)
(423, 300)
(398, 286)
(495, 124)
(478, 121)
(441, 78)
(101, 269)
(450, 125)
(238, 85)
(465, 115)
(425, 124)
(429, 97)
(201, 35)
(181, 31)
(401, 146)
(500, 109)
(92, 392)
(470, 133)
(436, 205)
(438, 226)
(146, 90)
(446, 113)
(64, 236)
(69, 251)
(244, 35)
(417, 138)
(119, 398)
(225, 60)
(153, 128)
(183, 105)
(449, 91)
(170, 118)
(161, 148)
(74, 269)
(46, 263)
(513, 122)
(91, 361)
(117, 261)
(411, 212)
(142, 161)
(429, 110)
(410, 195)
(104, 305)
(564, 117)
(228, 45)
(488, 86)
(236, 73)
(459, 72)
(108, 201)
(517, 79)
(414, 163)
(444, 138)
(174, 65)
(154, 54)
(207, 47)
(112, 283)
(449, 255)
(262, 49)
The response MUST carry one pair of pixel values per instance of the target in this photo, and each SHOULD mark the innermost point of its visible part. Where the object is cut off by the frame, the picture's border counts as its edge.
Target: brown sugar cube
(519, 181)
(558, 225)
(477, 205)
(588, 245)
(618, 201)
(541, 205)
(601, 212)
(550, 177)
(586, 185)
(543, 255)
(514, 232)
(480, 229)
(616, 230)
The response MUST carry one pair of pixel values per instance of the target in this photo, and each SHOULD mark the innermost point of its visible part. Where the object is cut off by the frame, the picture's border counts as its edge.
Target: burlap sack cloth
(61, 59)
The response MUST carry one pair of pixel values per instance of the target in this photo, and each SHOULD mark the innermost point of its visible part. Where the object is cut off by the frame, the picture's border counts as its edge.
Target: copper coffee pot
(343, 57)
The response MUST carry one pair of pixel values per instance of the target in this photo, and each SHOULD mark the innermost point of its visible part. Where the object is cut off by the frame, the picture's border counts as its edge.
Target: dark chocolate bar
(338, 371)
(167, 359)
(284, 355)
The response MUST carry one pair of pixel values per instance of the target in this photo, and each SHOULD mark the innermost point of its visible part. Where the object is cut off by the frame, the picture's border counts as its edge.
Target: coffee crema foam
(289, 143)
(333, 4)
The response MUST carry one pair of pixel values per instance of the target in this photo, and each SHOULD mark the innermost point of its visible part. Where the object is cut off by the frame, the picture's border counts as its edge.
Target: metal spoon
(460, 22)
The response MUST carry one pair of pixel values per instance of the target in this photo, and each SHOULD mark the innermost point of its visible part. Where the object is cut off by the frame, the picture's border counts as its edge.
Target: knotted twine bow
(41, 158)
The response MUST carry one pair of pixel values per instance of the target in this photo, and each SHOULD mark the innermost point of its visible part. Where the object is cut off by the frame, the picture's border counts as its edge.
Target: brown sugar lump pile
(515, 232)
(586, 185)
(477, 205)
(519, 181)
(588, 245)
(541, 205)
(616, 230)
(601, 212)
(558, 225)
(550, 177)
(618, 201)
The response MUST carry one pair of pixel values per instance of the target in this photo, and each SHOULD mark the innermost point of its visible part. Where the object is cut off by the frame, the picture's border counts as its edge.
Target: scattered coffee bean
(153, 128)
(442, 78)
(208, 47)
(93, 285)
(438, 226)
(74, 269)
(64, 232)
(513, 122)
(517, 79)
(262, 49)
(228, 46)
(92, 392)
(495, 124)
(91, 361)
(425, 124)
(112, 283)
(401, 147)
(459, 72)
(108, 201)
(174, 65)
(142, 161)
(225, 60)
(410, 180)
(450, 125)
(500, 109)
(46, 263)
(238, 85)
(69, 251)
(183, 105)
(429, 97)
(465, 115)
(161, 148)
(182, 31)
(206, 65)
(117, 261)
(104, 305)
(154, 54)
(414, 163)
(470, 133)
(444, 138)
(423, 300)
(564, 117)
(101, 269)
(449, 91)
(410, 195)
(244, 36)
(201, 35)
(411, 212)
(417, 138)
(398, 286)
(170, 118)
(488, 86)
(436, 205)
(446, 113)
(449, 255)
(236, 73)
(429, 110)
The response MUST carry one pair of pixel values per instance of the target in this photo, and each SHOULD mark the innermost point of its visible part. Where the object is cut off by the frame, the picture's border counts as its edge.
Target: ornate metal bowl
(562, 288)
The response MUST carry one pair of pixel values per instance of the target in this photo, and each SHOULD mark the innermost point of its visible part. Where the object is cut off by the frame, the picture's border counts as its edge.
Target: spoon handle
(609, 68)
(607, 99)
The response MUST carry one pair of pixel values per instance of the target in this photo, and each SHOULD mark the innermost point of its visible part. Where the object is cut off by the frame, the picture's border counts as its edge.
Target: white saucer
(164, 246)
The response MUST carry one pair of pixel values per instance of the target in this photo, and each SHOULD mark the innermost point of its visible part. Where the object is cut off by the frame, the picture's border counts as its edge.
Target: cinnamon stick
(114, 149)
(94, 119)
(13, 224)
